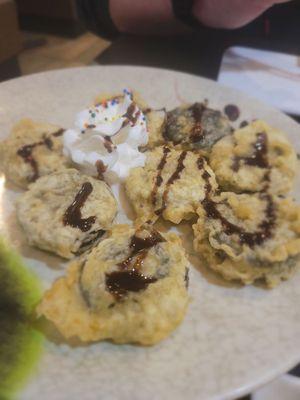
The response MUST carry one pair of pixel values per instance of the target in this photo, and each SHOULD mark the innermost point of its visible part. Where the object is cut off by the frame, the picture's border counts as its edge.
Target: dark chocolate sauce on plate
(186, 278)
(259, 156)
(244, 123)
(101, 168)
(26, 152)
(232, 112)
(73, 215)
(174, 177)
(138, 245)
(119, 283)
(197, 130)
(59, 132)
(159, 179)
(131, 115)
(129, 278)
(251, 239)
(48, 143)
(93, 238)
(205, 175)
(108, 144)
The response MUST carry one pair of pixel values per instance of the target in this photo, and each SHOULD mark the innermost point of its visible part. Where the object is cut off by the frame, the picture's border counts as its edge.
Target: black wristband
(97, 18)
(183, 11)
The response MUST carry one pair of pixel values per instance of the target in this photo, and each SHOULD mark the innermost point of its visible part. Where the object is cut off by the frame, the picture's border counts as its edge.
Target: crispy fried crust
(151, 187)
(80, 304)
(238, 176)
(41, 212)
(273, 260)
(46, 154)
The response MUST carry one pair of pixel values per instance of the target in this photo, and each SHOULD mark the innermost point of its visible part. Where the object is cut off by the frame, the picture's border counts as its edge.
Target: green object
(20, 342)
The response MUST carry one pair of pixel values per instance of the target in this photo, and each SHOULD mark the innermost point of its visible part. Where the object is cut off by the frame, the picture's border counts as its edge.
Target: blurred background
(43, 35)
(37, 35)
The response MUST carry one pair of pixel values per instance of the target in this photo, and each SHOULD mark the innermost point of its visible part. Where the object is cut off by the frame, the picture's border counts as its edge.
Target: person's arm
(155, 16)
(230, 14)
(146, 17)
(108, 17)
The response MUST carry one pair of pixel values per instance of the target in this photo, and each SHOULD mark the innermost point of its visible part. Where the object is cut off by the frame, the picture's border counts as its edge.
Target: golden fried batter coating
(131, 288)
(190, 127)
(170, 184)
(249, 237)
(241, 161)
(66, 212)
(32, 150)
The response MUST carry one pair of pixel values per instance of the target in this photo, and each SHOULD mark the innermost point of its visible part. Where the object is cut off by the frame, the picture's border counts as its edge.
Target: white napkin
(271, 77)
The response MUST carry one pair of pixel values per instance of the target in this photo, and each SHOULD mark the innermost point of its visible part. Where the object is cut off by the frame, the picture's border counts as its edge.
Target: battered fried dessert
(66, 212)
(170, 185)
(32, 150)
(156, 123)
(249, 237)
(131, 288)
(192, 127)
(242, 160)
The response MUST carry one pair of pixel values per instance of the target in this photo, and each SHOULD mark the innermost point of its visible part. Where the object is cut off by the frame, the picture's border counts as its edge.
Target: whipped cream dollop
(111, 132)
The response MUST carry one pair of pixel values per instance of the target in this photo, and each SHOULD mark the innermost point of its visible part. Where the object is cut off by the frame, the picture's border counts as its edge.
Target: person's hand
(230, 14)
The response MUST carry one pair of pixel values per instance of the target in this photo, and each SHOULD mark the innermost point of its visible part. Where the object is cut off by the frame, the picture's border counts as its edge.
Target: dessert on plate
(171, 184)
(242, 160)
(66, 212)
(249, 237)
(131, 288)
(128, 283)
(191, 127)
(32, 149)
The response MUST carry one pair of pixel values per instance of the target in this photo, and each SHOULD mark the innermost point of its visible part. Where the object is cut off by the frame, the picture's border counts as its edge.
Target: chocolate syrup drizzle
(128, 278)
(149, 110)
(26, 153)
(174, 177)
(58, 133)
(48, 143)
(159, 179)
(73, 215)
(119, 283)
(266, 226)
(94, 237)
(251, 239)
(101, 168)
(197, 132)
(232, 112)
(244, 123)
(138, 245)
(259, 155)
(205, 175)
(108, 144)
(186, 278)
(129, 116)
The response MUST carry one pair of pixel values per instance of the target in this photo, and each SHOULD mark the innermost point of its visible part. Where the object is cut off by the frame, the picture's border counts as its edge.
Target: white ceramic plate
(232, 340)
